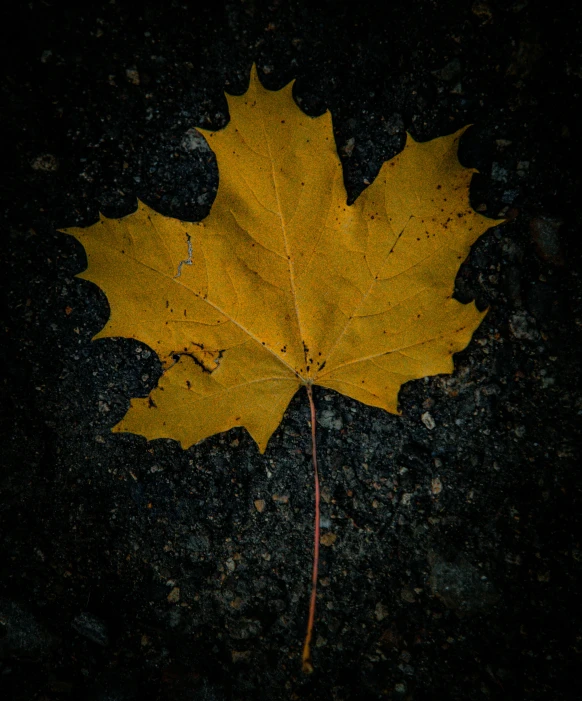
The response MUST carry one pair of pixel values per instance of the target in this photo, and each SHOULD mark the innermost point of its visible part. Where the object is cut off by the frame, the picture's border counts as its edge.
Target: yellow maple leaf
(284, 284)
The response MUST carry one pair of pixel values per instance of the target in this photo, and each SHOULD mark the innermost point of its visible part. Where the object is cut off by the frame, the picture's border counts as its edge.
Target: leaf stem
(307, 666)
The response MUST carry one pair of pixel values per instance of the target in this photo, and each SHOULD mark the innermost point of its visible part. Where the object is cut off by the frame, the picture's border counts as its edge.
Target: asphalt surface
(451, 556)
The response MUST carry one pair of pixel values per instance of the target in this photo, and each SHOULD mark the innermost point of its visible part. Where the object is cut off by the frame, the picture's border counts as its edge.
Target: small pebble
(132, 75)
(281, 498)
(328, 539)
(46, 162)
(330, 420)
(260, 505)
(381, 611)
(174, 596)
(241, 655)
(428, 421)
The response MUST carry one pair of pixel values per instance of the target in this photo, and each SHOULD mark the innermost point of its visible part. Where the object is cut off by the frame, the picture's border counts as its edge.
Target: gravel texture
(451, 534)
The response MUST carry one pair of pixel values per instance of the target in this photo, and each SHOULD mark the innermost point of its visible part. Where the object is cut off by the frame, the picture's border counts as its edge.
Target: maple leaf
(284, 284)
